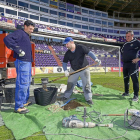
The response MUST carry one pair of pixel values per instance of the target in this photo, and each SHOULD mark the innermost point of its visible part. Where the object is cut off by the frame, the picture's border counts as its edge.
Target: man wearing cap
(76, 55)
(19, 42)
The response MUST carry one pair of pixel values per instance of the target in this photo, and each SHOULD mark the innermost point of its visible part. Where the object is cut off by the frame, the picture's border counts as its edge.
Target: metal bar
(119, 63)
(93, 43)
(117, 115)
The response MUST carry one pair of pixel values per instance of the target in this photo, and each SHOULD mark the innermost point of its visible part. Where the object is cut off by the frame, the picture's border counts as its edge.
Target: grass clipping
(54, 108)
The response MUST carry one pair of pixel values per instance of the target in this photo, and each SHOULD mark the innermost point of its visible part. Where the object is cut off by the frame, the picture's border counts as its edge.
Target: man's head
(29, 26)
(129, 36)
(69, 43)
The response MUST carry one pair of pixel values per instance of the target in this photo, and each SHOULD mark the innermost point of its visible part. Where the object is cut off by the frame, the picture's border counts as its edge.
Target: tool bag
(134, 120)
(1, 99)
(9, 95)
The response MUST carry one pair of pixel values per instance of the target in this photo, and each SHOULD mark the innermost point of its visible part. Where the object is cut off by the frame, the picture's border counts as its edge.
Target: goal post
(108, 54)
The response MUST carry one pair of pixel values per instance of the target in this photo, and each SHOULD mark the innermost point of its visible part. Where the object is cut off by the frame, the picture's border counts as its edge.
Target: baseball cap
(68, 39)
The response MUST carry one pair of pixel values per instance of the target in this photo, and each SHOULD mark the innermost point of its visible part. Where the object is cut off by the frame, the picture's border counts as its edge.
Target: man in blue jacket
(130, 57)
(19, 42)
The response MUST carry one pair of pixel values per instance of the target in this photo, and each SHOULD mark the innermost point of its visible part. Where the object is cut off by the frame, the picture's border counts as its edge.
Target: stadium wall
(43, 70)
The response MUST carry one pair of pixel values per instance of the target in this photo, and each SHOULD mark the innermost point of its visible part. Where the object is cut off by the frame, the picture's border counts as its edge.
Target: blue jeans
(22, 91)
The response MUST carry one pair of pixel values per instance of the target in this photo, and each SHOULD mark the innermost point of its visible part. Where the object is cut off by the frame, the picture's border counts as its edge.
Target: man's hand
(22, 53)
(66, 73)
(98, 61)
(135, 60)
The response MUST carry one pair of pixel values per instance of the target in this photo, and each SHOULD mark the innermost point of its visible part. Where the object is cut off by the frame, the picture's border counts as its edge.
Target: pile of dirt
(71, 105)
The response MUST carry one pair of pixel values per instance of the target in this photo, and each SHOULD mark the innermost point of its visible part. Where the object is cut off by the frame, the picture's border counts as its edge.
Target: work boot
(135, 98)
(27, 104)
(22, 110)
(90, 102)
(125, 94)
(63, 99)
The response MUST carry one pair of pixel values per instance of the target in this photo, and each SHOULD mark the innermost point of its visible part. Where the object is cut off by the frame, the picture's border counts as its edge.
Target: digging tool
(73, 72)
(116, 115)
(131, 113)
(74, 122)
(134, 121)
(45, 86)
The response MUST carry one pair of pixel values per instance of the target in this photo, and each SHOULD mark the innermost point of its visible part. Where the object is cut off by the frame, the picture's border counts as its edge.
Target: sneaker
(135, 98)
(22, 110)
(27, 104)
(90, 102)
(63, 99)
(125, 94)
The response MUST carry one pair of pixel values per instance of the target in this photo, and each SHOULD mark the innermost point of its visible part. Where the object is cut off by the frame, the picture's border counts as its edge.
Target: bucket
(9, 95)
(43, 97)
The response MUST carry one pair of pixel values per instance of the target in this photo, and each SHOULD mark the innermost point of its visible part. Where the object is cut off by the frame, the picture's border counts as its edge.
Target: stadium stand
(44, 59)
(61, 19)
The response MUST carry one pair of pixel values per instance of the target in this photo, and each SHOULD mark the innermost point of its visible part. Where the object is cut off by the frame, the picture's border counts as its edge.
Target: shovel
(45, 84)
(72, 73)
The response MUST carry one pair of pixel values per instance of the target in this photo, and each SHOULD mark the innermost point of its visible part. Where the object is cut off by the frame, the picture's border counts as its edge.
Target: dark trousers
(130, 69)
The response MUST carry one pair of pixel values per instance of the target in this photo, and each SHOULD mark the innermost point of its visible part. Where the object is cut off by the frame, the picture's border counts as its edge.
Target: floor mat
(111, 102)
(41, 118)
(25, 125)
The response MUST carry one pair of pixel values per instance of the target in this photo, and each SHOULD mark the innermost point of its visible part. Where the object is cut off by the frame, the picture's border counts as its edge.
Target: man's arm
(11, 41)
(65, 69)
(121, 48)
(64, 66)
(138, 43)
(91, 54)
(137, 59)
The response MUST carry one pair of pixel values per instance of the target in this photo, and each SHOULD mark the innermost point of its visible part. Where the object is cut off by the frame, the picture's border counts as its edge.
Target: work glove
(98, 61)
(66, 73)
(22, 53)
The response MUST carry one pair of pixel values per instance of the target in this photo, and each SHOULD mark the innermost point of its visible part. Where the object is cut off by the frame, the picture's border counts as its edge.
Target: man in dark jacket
(76, 55)
(130, 52)
(19, 42)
